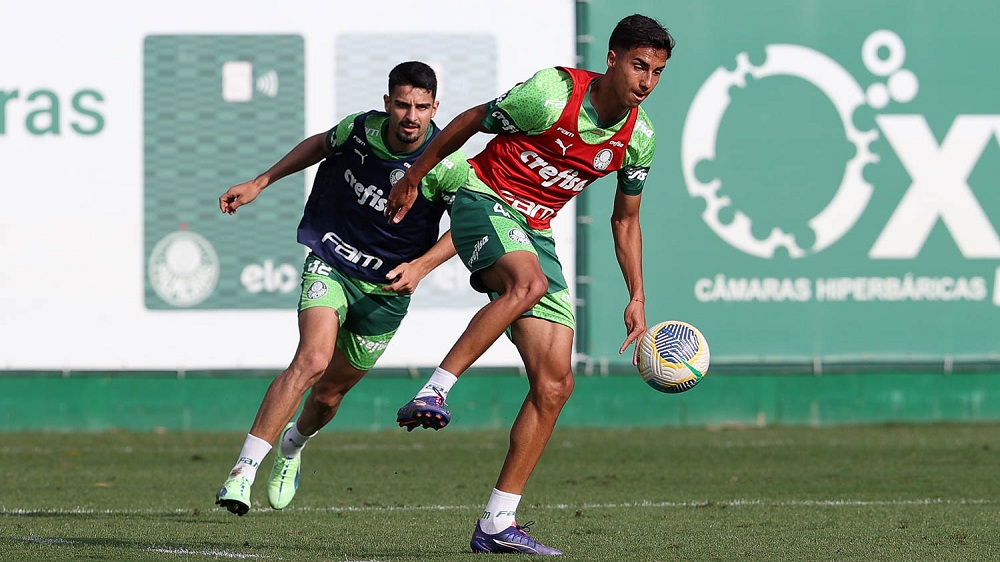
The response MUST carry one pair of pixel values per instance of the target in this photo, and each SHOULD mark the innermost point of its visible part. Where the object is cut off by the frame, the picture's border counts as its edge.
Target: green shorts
(369, 316)
(484, 228)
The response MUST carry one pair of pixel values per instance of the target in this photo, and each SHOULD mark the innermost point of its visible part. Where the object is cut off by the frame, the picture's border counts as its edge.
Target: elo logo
(269, 277)
(939, 172)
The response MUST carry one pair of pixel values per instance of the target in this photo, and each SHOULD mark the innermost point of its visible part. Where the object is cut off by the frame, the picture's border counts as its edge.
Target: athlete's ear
(612, 57)
(385, 102)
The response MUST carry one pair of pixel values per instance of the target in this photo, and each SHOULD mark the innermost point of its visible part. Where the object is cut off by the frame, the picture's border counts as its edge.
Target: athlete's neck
(608, 109)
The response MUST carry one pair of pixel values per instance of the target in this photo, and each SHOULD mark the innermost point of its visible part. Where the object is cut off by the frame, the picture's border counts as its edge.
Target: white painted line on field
(259, 510)
(45, 540)
(181, 551)
(219, 553)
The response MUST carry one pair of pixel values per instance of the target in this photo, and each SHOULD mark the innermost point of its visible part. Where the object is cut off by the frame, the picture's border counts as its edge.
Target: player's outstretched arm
(406, 276)
(450, 139)
(628, 249)
(305, 154)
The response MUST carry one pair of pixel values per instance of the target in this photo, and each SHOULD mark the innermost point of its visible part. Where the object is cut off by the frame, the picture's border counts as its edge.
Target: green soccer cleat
(235, 495)
(284, 480)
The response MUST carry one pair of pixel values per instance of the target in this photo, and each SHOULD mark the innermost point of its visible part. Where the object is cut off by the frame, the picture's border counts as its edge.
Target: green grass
(914, 492)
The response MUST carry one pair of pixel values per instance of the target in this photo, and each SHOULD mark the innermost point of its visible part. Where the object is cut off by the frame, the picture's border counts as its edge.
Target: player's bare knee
(529, 292)
(307, 367)
(554, 391)
(539, 286)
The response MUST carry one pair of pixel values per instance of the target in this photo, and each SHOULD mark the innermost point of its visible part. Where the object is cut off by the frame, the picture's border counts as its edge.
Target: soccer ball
(673, 356)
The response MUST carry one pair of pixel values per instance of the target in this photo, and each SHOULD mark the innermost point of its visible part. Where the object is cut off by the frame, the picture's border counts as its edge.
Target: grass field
(915, 492)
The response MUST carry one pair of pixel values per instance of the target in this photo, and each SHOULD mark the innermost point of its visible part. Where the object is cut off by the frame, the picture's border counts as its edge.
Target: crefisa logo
(939, 173)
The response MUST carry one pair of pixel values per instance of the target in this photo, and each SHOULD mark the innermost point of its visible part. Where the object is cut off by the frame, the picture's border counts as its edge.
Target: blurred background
(823, 205)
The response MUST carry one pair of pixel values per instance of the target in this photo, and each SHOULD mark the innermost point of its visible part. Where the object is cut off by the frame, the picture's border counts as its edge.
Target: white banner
(71, 173)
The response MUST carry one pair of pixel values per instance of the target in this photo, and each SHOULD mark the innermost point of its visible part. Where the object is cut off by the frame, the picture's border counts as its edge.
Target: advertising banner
(215, 107)
(826, 185)
(117, 139)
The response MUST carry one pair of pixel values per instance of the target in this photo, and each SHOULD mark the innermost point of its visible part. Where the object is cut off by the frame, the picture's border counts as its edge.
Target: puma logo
(564, 147)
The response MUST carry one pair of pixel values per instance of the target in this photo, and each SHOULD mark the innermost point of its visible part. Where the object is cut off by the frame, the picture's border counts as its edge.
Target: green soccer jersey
(534, 106)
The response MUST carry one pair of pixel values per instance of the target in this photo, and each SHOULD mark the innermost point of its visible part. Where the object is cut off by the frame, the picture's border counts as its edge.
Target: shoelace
(438, 400)
(524, 528)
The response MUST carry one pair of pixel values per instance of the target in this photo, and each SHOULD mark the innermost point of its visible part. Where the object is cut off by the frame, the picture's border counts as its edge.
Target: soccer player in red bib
(556, 134)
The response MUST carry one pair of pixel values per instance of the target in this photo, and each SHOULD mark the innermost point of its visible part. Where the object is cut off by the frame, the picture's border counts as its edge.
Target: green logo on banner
(807, 215)
(939, 171)
(220, 109)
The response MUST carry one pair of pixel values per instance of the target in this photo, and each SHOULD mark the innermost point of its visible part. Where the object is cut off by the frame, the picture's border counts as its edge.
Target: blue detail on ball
(676, 343)
(674, 388)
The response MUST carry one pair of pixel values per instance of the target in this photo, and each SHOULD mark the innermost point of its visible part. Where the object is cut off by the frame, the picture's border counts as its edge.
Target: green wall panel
(824, 184)
(160, 401)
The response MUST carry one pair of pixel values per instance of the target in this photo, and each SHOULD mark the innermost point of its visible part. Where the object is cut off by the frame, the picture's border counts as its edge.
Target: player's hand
(239, 195)
(401, 198)
(635, 326)
(404, 278)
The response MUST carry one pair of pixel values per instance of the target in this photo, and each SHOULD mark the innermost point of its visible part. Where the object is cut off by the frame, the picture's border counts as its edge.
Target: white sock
(254, 451)
(500, 512)
(440, 382)
(292, 442)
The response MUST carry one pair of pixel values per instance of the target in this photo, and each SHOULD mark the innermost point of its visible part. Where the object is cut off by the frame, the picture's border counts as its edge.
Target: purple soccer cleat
(513, 539)
(427, 412)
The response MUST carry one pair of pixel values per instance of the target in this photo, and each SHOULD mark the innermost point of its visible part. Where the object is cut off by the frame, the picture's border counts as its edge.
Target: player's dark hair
(416, 74)
(638, 30)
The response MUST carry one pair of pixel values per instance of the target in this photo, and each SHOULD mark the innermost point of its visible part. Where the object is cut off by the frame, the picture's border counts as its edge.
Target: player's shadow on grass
(203, 548)
(194, 516)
